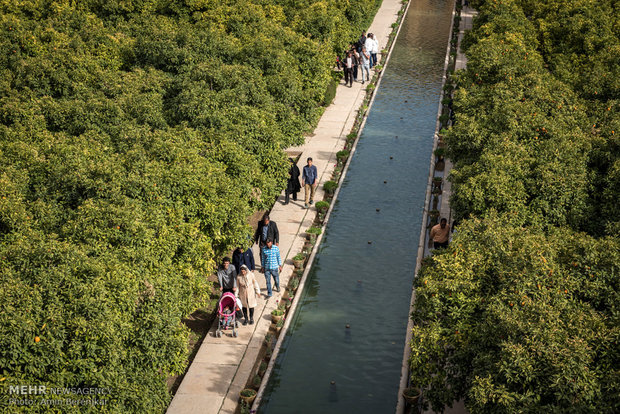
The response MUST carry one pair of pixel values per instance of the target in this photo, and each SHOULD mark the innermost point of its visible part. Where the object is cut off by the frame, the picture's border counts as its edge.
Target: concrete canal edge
(316, 246)
(404, 379)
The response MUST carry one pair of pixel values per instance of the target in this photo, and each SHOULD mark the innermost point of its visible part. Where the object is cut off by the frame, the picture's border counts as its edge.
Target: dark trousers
(354, 72)
(443, 245)
(373, 60)
(348, 76)
(251, 313)
(287, 193)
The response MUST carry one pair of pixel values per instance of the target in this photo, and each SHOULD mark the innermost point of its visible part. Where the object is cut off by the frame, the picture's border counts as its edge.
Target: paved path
(467, 15)
(222, 366)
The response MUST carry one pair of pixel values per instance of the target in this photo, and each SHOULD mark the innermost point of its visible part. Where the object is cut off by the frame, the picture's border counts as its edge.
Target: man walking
(374, 49)
(227, 276)
(440, 234)
(309, 181)
(348, 69)
(365, 64)
(266, 229)
(368, 44)
(271, 265)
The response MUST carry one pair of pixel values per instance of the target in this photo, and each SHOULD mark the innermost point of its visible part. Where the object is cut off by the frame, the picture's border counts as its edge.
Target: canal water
(368, 286)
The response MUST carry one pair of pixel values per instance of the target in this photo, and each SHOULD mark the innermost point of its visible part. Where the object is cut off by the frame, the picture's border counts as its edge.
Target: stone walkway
(222, 366)
(467, 15)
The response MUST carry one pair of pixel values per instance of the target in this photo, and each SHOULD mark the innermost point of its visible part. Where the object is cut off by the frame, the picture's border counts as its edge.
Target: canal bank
(363, 271)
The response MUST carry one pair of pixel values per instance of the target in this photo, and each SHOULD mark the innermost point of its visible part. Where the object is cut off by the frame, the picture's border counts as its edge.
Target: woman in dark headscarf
(293, 186)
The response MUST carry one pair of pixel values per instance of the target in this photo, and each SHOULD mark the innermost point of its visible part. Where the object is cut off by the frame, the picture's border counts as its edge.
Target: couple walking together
(309, 180)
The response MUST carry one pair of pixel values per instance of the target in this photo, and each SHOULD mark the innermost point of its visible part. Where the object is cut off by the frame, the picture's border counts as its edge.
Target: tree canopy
(136, 138)
(520, 313)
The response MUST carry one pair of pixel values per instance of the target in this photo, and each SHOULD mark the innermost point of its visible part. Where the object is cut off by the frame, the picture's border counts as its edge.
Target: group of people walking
(359, 56)
(243, 283)
(236, 276)
(309, 181)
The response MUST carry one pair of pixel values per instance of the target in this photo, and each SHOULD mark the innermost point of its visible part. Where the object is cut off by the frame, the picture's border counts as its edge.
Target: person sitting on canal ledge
(271, 265)
(440, 234)
(227, 276)
(309, 181)
(241, 257)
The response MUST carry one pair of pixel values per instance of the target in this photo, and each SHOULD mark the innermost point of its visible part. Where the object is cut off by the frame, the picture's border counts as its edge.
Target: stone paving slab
(206, 387)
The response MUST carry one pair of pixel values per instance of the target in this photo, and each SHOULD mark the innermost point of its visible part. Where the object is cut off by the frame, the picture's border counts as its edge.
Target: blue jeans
(365, 68)
(276, 277)
(373, 61)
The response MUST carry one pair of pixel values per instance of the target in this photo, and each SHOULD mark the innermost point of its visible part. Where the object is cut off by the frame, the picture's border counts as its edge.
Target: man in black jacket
(266, 230)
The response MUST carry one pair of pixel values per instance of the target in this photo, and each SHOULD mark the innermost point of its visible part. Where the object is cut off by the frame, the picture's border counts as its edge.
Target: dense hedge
(520, 313)
(136, 137)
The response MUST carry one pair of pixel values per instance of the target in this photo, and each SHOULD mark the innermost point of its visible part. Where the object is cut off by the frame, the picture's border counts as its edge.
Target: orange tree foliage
(520, 313)
(136, 137)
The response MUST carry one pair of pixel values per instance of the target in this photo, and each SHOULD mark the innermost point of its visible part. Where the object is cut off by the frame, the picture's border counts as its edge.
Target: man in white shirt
(369, 45)
(374, 49)
(348, 69)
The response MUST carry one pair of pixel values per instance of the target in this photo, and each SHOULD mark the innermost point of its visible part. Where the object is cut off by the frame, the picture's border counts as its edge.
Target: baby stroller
(228, 300)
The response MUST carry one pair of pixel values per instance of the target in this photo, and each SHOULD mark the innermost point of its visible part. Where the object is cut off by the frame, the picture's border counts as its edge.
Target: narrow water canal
(368, 286)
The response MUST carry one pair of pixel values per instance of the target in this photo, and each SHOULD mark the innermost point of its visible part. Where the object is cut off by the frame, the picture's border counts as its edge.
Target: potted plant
(248, 395)
(279, 326)
(298, 260)
(262, 368)
(256, 381)
(411, 395)
(433, 214)
(342, 156)
(276, 315)
(322, 206)
(312, 233)
(293, 284)
(439, 153)
(330, 187)
(437, 182)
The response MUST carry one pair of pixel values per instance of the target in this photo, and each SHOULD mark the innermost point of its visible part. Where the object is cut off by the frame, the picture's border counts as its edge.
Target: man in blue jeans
(271, 265)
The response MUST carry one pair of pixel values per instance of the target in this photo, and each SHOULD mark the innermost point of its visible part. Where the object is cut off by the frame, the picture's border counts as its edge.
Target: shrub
(330, 187)
(299, 256)
(314, 230)
(322, 206)
(248, 392)
(330, 92)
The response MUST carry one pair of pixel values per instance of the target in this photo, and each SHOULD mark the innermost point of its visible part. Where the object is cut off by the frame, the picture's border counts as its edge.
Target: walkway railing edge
(315, 248)
(404, 380)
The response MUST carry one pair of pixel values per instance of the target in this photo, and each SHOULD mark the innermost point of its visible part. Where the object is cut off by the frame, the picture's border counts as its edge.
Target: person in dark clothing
(241, 257)
(267, 229)
(227, 276)
(292, 186)
(361, 42)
